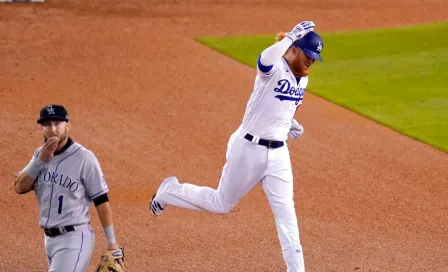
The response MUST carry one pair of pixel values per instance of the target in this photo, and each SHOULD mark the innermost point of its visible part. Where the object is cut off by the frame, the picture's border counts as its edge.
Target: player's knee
(224, 209)
(227, 209)
(220, 204)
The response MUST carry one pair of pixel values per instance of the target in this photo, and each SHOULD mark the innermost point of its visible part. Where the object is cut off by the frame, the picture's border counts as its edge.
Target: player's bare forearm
(105, 214)
(23, 183)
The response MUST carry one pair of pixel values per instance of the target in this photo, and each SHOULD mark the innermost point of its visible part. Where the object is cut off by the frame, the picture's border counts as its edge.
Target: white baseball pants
(247, 165)
(70, 252)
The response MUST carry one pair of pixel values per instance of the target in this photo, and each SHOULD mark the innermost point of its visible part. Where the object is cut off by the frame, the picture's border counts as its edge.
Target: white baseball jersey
(273, 102)
(65, 191)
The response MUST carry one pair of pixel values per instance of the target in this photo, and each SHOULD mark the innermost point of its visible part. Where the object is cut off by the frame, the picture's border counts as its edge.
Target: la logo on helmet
(319, 47)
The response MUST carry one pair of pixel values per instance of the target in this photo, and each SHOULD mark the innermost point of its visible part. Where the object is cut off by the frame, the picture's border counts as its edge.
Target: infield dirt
(151, 102)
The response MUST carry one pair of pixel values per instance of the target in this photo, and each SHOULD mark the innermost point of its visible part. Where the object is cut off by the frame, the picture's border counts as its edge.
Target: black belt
(267, 143)
(58, 231)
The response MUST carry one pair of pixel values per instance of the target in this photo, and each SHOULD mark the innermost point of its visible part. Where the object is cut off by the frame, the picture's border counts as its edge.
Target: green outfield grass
(397, 76)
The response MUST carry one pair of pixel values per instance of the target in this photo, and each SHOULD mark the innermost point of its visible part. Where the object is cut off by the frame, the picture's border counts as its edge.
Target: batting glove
(300, 30)
(296, 130)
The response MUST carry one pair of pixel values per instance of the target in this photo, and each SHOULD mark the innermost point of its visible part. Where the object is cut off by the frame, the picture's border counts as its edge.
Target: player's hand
(296, 130)
(300, 30)
(47, 151)
(113, 246)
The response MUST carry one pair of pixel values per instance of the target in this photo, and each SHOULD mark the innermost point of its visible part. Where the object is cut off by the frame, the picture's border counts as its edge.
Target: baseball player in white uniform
(258, 151)
(66, 177)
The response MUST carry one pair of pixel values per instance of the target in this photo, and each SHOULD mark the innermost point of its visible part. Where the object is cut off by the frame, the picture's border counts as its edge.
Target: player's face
(57, 128)
(301, 63)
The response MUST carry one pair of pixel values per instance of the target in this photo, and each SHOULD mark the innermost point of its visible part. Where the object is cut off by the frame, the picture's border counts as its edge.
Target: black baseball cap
(53, 112)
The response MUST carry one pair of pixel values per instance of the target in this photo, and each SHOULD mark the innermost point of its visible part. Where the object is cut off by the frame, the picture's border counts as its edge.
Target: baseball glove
(110, 261)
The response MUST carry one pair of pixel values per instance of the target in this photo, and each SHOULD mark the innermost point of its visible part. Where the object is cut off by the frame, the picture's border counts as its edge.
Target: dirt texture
(151, 102)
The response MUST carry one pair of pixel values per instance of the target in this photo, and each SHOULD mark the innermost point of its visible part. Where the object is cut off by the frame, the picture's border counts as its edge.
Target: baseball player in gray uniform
(66, 177)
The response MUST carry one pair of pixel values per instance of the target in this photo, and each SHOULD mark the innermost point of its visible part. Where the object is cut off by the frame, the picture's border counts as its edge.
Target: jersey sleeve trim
(100, 199)
(99, 193)
(263, 68)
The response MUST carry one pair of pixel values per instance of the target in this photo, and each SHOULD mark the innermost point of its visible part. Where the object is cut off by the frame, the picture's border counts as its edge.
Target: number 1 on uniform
(60, 199)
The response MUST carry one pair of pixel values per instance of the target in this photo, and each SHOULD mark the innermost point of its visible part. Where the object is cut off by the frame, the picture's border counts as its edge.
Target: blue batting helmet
(311, 44)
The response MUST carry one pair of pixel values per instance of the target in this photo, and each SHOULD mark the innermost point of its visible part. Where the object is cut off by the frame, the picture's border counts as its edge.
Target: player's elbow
(20, 186)
(20, 190)
(224, 209)
(262, 67)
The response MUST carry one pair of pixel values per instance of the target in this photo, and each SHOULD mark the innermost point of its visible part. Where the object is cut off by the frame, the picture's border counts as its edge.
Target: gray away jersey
(65, 191)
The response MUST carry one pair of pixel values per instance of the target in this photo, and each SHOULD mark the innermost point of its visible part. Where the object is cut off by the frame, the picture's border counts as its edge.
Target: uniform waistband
(264, 142)
(257, 140)
(53, 232)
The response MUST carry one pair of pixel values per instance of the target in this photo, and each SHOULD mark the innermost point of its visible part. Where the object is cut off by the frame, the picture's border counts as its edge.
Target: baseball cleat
(157, 206)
